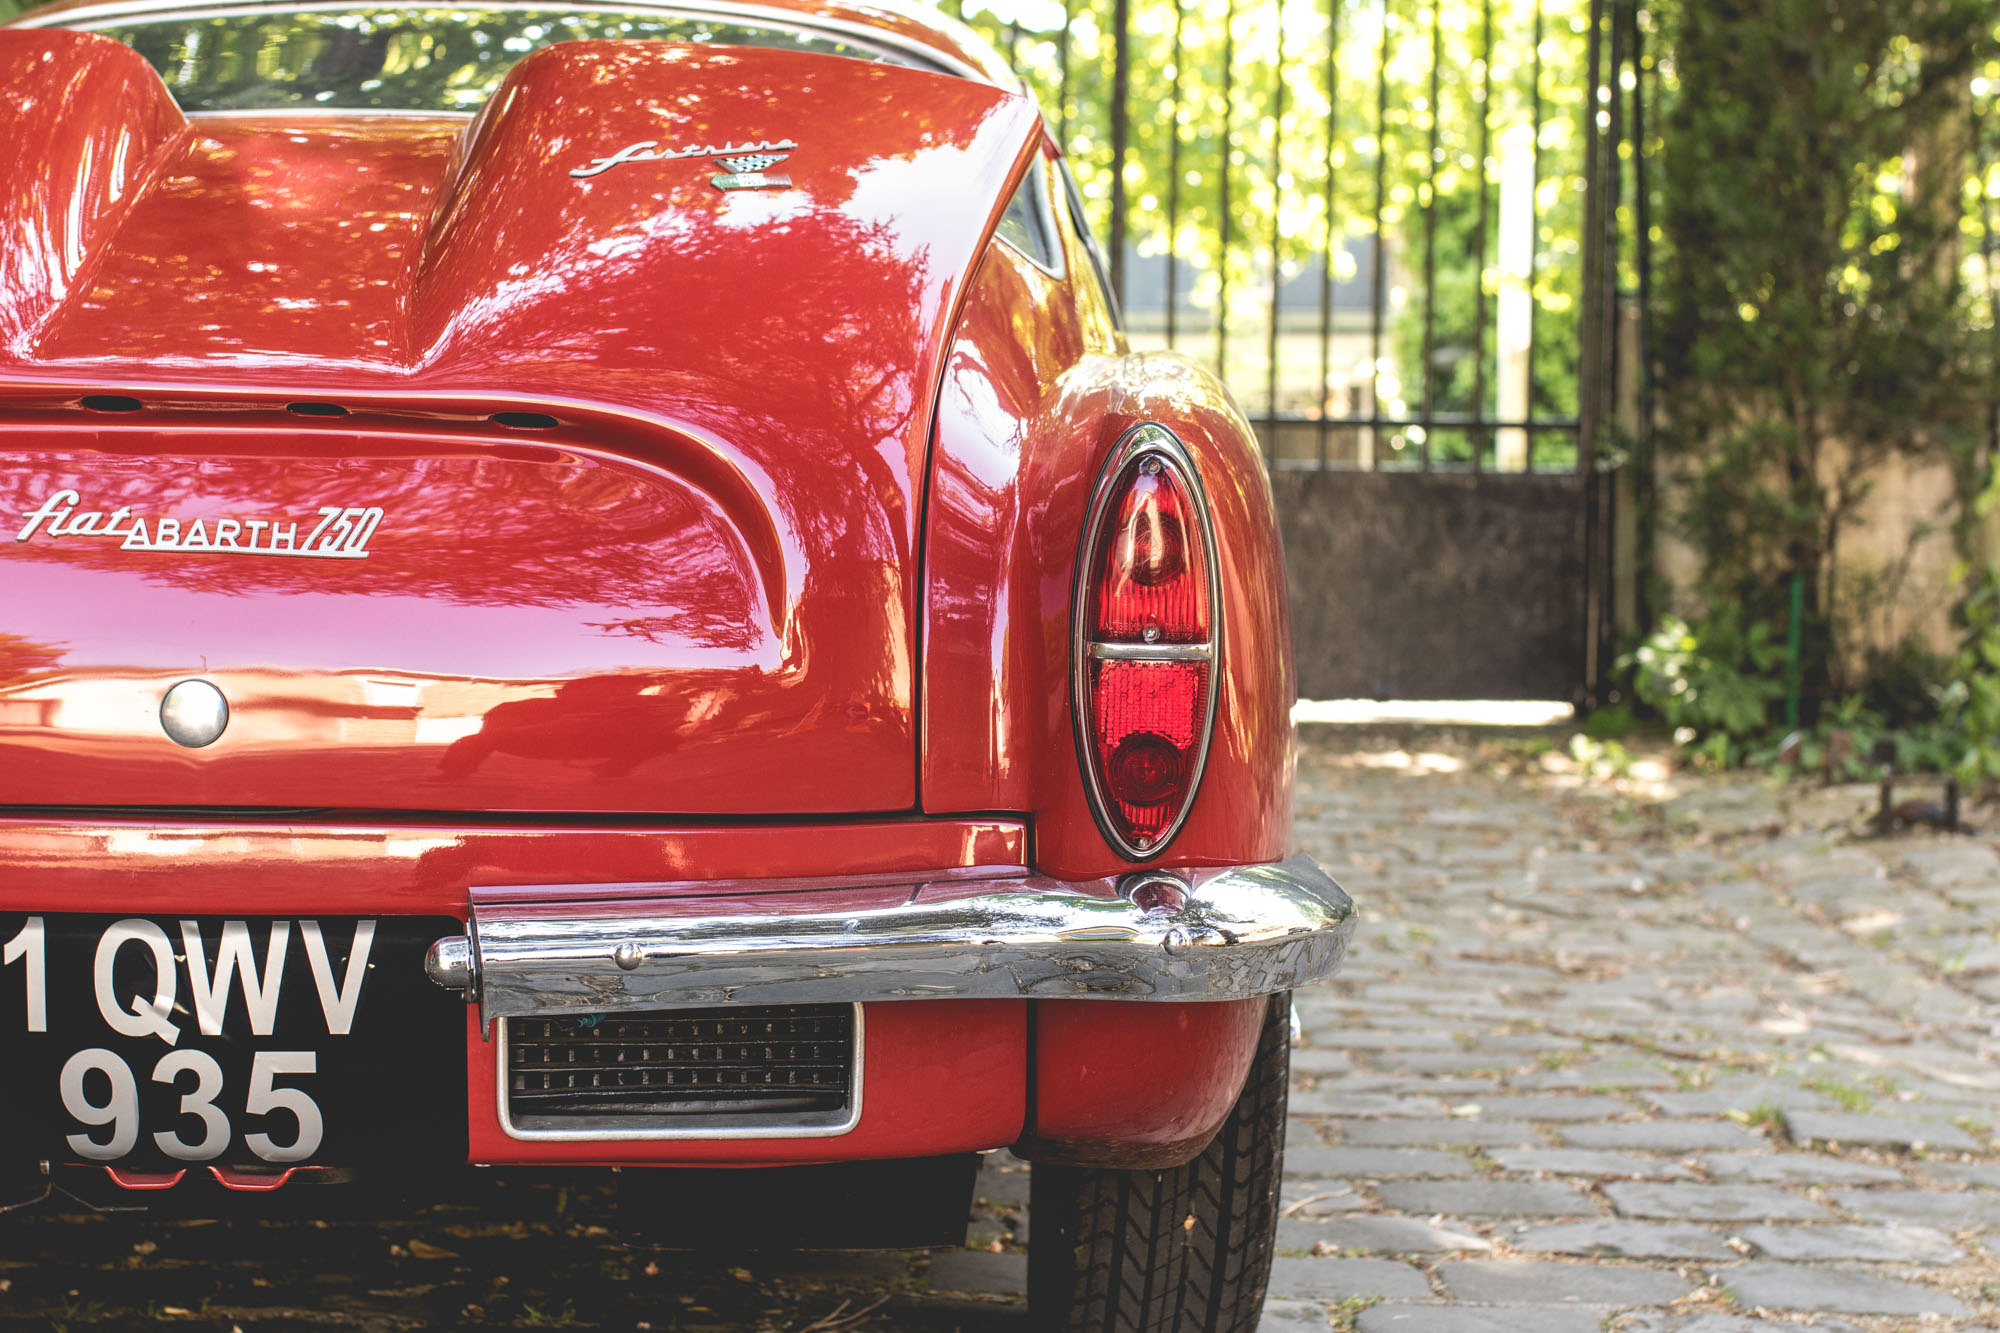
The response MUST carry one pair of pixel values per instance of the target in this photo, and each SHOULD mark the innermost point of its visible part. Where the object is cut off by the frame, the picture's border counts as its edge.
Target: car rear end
(469, 629)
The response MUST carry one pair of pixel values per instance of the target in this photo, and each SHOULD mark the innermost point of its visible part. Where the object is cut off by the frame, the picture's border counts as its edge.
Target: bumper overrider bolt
(449, 963)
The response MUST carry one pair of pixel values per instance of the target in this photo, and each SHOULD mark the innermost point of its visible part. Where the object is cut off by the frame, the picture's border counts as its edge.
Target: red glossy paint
(1136, 1085)
(422, 868)
(98, 123)
(717, 552)
(938, 1077)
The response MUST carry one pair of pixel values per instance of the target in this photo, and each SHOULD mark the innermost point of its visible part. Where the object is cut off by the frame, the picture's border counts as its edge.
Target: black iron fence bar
(1431, 229)
(1174, 176)
(1379, 266)
(1062, 75)
(1332, 230)
(1983, 160)
(1611, 252)
(1590, 352)
(1534, 217)
(1479, 440)
(1642, 475)
(1121, 89)
(1277, 234)
(1224, 231)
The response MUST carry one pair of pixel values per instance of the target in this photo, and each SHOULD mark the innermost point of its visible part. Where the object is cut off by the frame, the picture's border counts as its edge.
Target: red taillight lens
(1152, 579)
(1145, 641)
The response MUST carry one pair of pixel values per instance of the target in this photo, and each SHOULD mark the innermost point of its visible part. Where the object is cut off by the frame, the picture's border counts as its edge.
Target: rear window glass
(406, 59)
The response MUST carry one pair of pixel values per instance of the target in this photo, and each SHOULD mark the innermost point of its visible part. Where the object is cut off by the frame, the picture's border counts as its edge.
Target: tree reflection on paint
(408, 59)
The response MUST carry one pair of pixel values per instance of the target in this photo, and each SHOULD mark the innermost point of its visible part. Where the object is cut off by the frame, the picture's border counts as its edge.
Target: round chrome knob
(194, 714)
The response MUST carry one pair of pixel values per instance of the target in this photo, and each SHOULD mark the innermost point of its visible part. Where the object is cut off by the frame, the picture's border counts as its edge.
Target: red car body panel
(425, 866)
(1024, 424)
(1144, 1086)
(696, 506)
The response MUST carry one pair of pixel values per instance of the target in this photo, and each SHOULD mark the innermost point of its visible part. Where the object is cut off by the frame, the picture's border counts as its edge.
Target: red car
(599, 585)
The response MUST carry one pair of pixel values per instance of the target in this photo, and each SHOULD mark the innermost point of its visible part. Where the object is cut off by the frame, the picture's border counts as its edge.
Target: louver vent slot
(788, 1060)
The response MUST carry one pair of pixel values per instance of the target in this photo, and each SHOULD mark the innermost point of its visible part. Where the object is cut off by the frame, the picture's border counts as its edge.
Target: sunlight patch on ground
(1435, 712)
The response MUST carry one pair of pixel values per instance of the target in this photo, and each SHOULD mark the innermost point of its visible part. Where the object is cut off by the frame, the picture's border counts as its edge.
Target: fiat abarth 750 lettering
(598, 586)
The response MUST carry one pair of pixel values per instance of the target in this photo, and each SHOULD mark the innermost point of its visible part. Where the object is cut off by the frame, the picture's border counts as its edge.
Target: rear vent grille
(779, 1064)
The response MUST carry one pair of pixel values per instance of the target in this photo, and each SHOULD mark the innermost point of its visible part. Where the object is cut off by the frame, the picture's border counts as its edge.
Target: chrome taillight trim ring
(1148, 439)
(1153, 652)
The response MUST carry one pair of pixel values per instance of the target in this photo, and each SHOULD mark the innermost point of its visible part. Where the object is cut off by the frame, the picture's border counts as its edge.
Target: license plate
(160, 1043)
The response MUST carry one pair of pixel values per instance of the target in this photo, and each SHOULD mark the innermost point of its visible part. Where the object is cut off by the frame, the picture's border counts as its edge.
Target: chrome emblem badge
(750, 173)
(746, 166)
(194, 714)
(340, 534)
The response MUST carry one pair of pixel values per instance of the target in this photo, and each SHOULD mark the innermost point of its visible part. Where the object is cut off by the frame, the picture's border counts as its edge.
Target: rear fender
(1025, 423)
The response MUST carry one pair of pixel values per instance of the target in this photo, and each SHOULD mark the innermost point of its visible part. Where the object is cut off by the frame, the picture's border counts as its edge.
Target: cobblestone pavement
(1640, 1058)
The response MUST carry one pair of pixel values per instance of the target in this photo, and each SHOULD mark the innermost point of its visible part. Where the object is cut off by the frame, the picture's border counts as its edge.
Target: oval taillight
(1146, 637)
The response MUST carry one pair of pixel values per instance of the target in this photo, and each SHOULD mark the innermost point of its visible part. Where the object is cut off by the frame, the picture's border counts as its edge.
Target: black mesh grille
(784, 1058)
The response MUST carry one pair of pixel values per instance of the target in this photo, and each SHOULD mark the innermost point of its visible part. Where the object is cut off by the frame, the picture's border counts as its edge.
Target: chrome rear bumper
(1241, 932)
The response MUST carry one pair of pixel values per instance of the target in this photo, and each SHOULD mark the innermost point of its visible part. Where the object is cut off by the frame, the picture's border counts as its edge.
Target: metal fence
(1412, 236)
(1394, 225)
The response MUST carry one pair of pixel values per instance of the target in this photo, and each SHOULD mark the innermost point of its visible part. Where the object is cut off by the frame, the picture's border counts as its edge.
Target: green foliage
(1815, 323)
(1715, 683)
(1234, 156)
(1609, 724)
(1970, 703)
(1842, 746)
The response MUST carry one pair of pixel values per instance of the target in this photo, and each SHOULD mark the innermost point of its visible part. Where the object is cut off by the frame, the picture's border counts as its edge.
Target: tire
(1187, 1250)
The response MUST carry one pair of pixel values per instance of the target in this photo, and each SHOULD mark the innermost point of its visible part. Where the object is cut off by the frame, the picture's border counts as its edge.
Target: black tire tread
(1186, 1250)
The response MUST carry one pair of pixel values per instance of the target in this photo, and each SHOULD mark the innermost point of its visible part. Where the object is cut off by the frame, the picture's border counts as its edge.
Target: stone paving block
(1374, 1039)
(1877, 1130)
(1486, 1198)
(1002, 1189)
(1432, 1133)
(1379, 1233)
(1598, 1074)
(1943, 1208)
(1777, 1286)
(1585, 1162)
(1740, 1096)
(1712, 1203)
(1301, 1136)
(1320, 1198)
(1425, 1085)
(1320, 1062)
(1985, 1174)
(1551, 1108)
(1797, 1168)
(1377, 1163)
(1338, 1279)
(977, 1270)
(1616, 1236)
(1662, 1135)
(1467, 1319)
(1897, 1243)
(1447, 1062)
(1527, 1281)
(1293, 1317)
(1718, 1323)
(1330, 1100)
